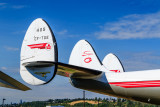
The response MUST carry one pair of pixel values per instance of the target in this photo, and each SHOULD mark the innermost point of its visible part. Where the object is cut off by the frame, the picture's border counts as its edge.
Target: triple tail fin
(83, 55)
(112, 63)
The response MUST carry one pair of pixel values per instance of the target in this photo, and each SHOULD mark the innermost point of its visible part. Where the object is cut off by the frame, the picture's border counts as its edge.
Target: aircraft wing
(68, 70)
(9, 82)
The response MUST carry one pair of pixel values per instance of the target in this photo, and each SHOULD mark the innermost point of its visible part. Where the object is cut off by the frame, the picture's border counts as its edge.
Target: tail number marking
(88, 59)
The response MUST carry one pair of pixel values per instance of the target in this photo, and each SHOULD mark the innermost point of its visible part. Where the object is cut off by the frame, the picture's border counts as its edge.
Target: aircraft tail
(112, 63)
(39, 54)
(39, 57)
(84, 55)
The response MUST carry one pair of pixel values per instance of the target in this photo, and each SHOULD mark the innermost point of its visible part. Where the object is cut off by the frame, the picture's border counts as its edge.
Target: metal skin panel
(92, 85)
(39, 44)
(138, 85)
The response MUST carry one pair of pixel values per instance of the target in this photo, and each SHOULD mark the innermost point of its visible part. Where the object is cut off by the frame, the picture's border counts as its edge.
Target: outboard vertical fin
(112, 63)
(38, 54)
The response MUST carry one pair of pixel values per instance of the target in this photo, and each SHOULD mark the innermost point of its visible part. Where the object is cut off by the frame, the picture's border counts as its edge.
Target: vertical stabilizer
(84, 55)
(112, 63)
(39, 50)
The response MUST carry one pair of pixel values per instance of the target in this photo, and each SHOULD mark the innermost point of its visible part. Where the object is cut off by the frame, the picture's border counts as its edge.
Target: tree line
(105, 102)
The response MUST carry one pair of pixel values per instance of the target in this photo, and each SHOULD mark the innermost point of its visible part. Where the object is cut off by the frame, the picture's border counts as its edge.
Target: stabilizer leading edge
(9, 82)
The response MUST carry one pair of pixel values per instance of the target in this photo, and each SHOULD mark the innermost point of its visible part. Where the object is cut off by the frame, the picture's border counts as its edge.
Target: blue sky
(127, 28)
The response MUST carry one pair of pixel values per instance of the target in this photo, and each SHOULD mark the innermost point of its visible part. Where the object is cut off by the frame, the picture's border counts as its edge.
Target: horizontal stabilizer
(66, 70)
(9, 82)
(38, 64)
(73, 71)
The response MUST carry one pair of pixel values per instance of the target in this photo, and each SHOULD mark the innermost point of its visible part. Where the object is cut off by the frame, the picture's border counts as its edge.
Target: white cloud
(11, 48)
(135, 26)
(140, 61)
(18, 6)
(2, 4)
(6, 5)
(3, 68)
(63, 32)
(19, 32)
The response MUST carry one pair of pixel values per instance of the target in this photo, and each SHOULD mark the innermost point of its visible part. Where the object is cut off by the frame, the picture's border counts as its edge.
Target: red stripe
(115, 70)
(40, 46)
(137, 84)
